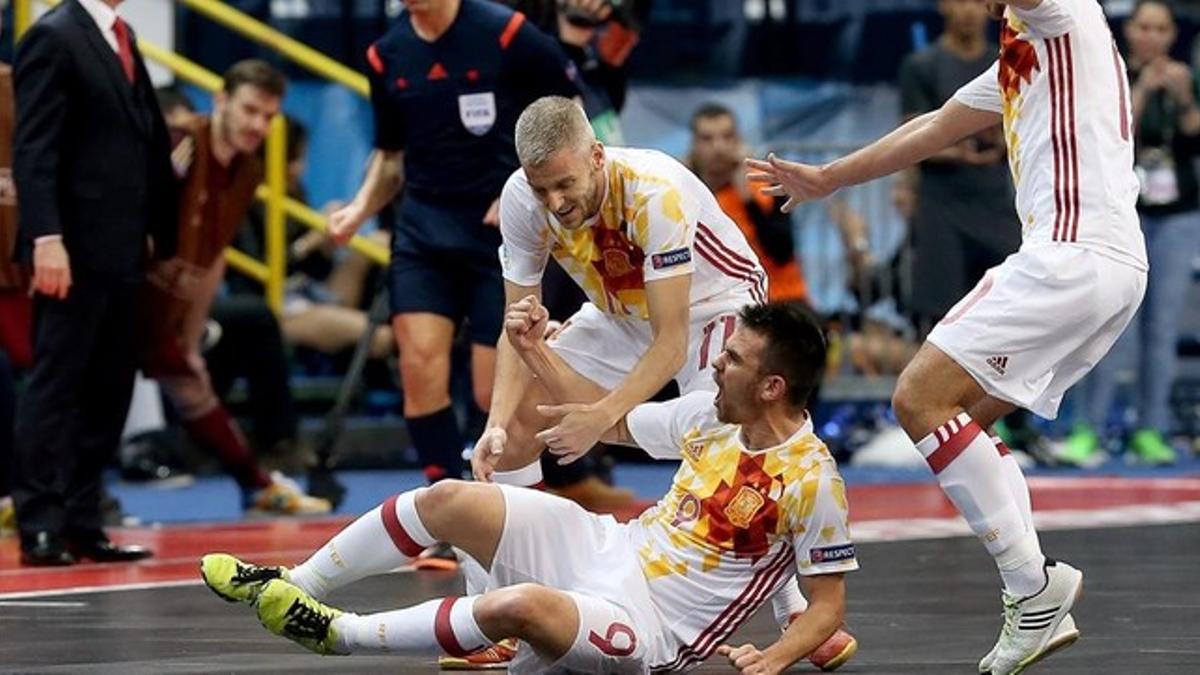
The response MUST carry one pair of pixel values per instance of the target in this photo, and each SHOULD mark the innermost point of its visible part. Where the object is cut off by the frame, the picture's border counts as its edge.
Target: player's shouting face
(738, 373)
(570, 183)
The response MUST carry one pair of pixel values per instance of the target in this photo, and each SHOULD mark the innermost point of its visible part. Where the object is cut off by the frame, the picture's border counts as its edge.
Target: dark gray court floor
(916, 607)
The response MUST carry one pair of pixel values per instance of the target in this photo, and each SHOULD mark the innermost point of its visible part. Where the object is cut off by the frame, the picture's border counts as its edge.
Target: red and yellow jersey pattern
(736, 523)
(656, 220)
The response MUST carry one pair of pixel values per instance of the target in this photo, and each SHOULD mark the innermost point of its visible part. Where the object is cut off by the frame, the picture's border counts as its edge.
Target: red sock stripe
(953, 445)
(391, 523)
(444, 632)
(540, 485)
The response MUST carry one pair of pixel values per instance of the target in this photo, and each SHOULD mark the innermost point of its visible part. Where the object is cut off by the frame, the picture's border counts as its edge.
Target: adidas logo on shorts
(998, 363)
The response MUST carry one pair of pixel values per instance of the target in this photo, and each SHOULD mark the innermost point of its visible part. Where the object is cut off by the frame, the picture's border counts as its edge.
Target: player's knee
(515, 610)
(440, 497)
(423, 376)
(904, 399)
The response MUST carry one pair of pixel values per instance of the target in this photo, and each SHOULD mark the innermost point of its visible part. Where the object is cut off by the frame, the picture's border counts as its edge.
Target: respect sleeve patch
(830, 554)
(679, 256)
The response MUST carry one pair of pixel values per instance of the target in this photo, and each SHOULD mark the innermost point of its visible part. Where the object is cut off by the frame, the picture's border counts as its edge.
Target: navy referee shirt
(452, 105)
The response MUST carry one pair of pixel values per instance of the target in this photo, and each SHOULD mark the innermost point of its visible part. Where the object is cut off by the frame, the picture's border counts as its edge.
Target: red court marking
(1060, 502)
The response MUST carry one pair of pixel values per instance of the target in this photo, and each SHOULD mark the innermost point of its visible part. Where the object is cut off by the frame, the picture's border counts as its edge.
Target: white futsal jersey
(656, 220)
(1061, 86)
(735, 524)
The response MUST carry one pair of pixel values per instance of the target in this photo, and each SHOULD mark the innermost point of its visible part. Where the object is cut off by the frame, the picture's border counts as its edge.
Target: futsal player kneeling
(757, 498)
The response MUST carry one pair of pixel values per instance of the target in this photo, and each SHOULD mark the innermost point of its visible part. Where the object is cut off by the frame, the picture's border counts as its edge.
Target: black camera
(623, 12)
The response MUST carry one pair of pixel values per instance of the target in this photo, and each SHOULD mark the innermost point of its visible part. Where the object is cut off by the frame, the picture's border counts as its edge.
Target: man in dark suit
(92, 166)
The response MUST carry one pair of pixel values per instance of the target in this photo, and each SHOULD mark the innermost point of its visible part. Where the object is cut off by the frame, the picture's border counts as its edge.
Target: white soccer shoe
(1038, 625)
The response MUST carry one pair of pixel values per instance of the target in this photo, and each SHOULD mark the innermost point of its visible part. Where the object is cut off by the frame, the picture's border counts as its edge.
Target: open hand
(798, 182)
(579, 427)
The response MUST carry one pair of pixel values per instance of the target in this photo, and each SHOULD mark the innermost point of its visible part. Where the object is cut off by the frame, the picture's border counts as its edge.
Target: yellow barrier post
(276, 225)
(22, 17)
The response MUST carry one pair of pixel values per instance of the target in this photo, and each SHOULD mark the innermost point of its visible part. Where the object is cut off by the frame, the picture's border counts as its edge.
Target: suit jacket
(91, 151)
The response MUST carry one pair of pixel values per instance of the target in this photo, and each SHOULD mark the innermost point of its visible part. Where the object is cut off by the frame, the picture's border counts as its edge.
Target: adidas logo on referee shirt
(998, 363)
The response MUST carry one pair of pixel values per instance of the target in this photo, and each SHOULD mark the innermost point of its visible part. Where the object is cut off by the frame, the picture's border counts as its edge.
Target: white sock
(788, 602)
(971, 474)
(1016, 481)
(529, 475)
(362, 549)
(437, 626)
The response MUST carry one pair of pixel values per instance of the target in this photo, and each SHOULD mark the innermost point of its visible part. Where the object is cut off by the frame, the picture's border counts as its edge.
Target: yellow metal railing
(273, 192)
(295, 50)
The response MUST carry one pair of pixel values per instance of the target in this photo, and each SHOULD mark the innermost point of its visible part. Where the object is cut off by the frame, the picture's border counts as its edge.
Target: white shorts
(1039, 321)
(553, 542)
(604, 348)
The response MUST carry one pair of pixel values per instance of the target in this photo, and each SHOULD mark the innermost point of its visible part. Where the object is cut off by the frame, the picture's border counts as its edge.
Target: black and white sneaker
(1038, 625)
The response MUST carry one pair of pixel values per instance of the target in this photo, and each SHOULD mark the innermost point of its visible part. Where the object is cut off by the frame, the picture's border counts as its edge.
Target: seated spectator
(215, 158)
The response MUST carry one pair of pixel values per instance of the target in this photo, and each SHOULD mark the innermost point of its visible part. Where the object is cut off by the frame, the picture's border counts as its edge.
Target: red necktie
(125, 50)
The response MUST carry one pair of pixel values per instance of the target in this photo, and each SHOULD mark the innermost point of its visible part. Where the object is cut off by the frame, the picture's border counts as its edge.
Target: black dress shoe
(44, 549)
(101, 549)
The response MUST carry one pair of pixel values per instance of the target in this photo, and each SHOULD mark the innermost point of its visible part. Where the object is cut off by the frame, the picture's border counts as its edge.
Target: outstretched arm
(915, 140)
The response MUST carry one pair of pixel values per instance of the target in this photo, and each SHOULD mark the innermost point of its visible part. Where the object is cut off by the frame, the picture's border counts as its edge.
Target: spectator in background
(716, 157)
(965, 222)
(15, 307)
(598, 36)
(447, 83)
(92, 165)
(882, 343)
(217, 160)
(324, 305)
(1166, 123)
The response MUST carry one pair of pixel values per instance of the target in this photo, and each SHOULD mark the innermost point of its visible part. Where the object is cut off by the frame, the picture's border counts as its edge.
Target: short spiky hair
(795, 346)
(548, 125)
(257, 73)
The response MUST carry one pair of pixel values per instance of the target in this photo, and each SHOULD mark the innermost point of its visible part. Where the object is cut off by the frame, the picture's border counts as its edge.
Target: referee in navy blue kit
(447, 85)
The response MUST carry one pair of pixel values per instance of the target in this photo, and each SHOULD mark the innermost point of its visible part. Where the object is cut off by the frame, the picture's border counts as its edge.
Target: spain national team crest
(744, 505)
(477, 112)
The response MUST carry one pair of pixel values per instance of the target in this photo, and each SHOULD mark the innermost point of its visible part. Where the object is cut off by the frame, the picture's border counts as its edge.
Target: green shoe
(287, 611)
(234, 580)
(1151, 448)
(1082, 448)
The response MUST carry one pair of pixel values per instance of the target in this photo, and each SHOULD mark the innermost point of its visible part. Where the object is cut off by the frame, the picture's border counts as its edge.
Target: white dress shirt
(104, 16)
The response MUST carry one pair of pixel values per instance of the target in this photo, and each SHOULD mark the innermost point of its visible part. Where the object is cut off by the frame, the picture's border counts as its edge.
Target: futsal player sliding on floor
(756, 499)
(1038, 322)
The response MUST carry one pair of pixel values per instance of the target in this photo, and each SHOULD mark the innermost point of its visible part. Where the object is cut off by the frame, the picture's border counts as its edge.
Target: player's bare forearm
(914, 141)
(385, 177)
(669, 306)
(825, 613)
(558, 377)
(512, 377)
(511, 382)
